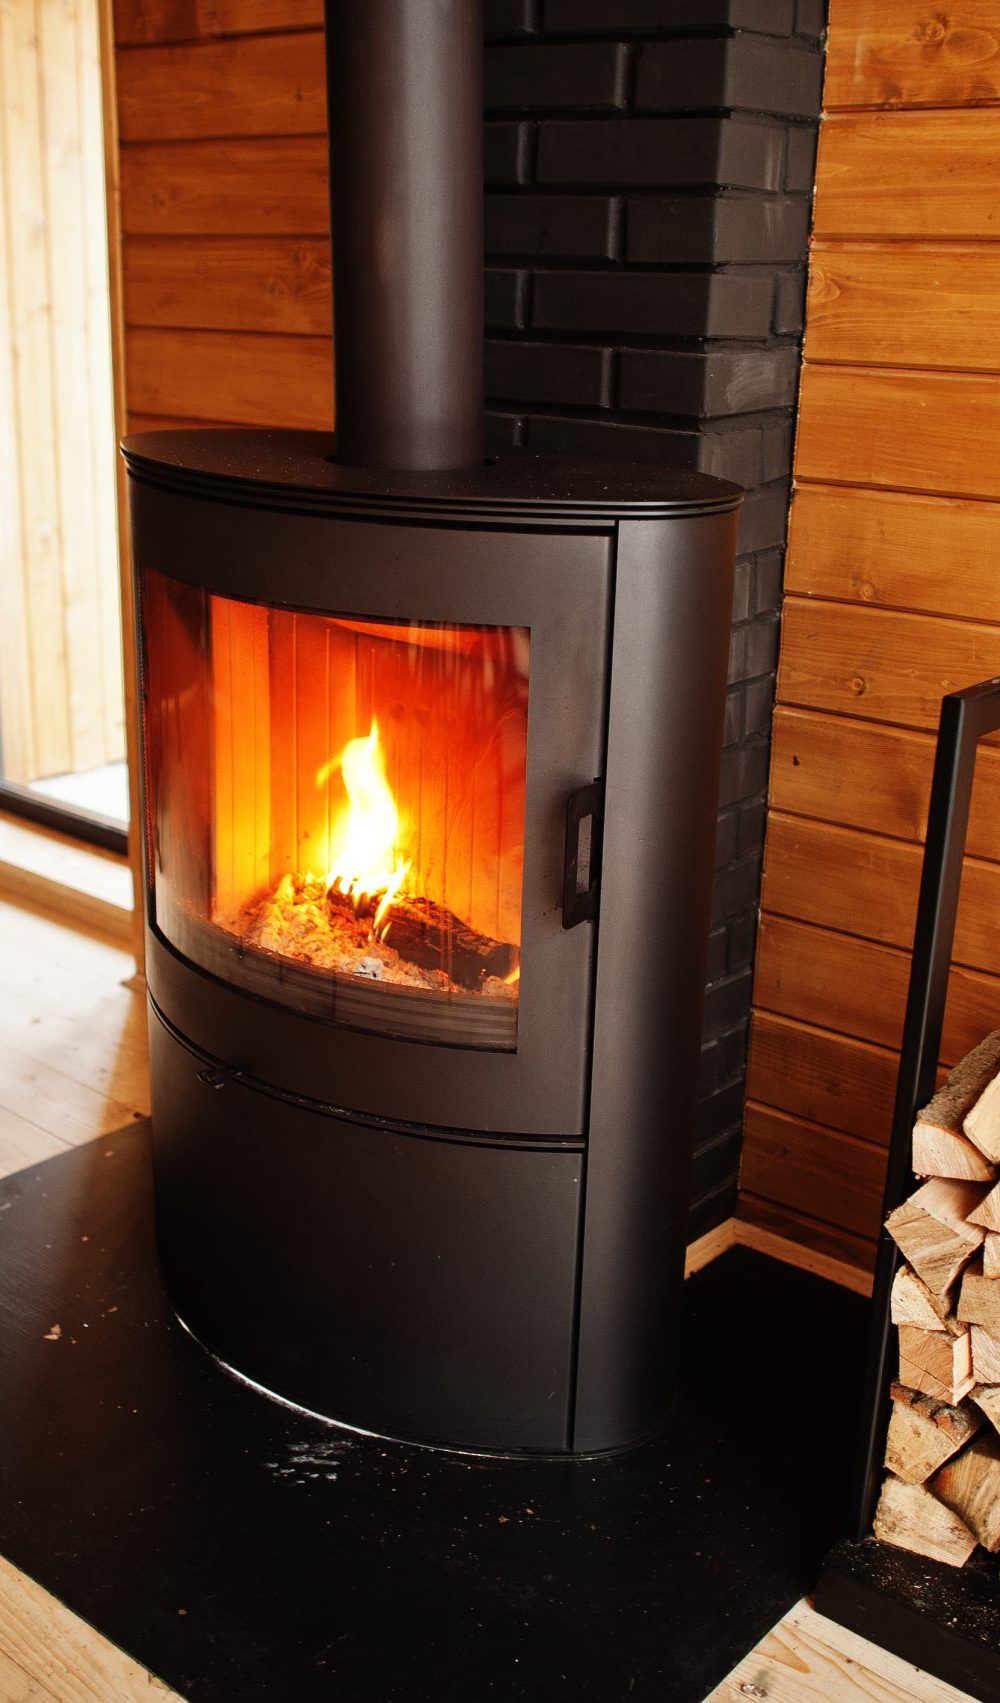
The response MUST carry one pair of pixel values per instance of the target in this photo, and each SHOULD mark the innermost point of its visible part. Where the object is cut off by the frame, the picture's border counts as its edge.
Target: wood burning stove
(431, 766)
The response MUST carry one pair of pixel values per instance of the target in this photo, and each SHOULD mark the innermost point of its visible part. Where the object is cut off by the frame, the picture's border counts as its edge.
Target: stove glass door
(336, 809)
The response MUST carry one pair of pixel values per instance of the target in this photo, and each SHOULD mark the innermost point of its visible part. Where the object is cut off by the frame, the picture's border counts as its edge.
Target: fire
(364, 858)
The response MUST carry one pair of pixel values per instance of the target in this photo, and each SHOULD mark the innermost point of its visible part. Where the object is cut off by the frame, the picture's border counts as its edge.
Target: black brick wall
(649, 169)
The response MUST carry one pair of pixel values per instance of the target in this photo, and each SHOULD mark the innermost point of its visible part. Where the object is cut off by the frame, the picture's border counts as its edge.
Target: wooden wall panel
(269, 85)
(829, 1079)
(856, 987)
(225, 212)
(912, 53)
(908, 174)
(878, 778)
(927, 305)
(878, 663)
(801, 1165)
(143, 21)
(226, 375)
(895, 549)
(917, 431)
(234, 187)
(865, 885)
(263, 283)
(893, 600)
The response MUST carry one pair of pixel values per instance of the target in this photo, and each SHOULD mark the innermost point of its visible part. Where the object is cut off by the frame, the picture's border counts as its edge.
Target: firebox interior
(337, 807)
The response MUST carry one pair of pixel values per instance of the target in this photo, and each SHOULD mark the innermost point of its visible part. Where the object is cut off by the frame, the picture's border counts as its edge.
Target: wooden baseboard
(708, 1247)
(807, 1259)
(79, 884)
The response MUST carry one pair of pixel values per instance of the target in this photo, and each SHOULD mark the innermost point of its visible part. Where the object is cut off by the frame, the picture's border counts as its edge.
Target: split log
(932, 1231)
(924, 1433)
(936, 1363)
(969, 1485)
(982, 1125)
(987, 1213)
(958, 1097)
(941, 1152)
(985, 1355)
(991, 1255)
(979, 1300)
(912, 1303)
(911, 1518)
(987, 1398)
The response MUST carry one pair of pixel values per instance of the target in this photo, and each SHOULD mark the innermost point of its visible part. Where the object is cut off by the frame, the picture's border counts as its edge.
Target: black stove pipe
(404, 89)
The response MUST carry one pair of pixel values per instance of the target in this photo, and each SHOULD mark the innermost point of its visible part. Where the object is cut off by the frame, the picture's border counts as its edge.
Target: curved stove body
(430, 784)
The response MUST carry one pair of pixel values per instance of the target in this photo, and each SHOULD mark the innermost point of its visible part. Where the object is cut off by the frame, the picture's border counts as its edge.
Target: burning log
(436, 939)
(432, 937)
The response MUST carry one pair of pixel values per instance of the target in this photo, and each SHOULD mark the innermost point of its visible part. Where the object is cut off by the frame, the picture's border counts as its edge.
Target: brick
(708, 1211)
(743, 72)
(732, 455)
(510, 17)
(737, 153)
(505, 152)
(732, 728)
(789, 302)
(713, 382)
(726, 833)
(718, 954)
(726, 1002)
(752, 821)
(714, 230)
(504, 298)
(763, 519)
(546, 78)
(714, 1169)
(753, 649)
(503, 432)
(549, 372)
(769, 570)
(800, 159)
(719, 1116)
(723, 1056)
(758, 704)
(736, 888)
(663, 304)
(741, 934)
(776, 451)
(810, 17)
(742, 591)
(560, 226)
(744, 772)
(775, 17)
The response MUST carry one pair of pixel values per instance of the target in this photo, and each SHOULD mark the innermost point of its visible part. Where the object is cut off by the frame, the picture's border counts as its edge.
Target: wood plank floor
(73, 1067)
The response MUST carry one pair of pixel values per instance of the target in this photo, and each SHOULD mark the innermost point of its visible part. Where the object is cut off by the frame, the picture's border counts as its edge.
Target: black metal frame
(966, 717)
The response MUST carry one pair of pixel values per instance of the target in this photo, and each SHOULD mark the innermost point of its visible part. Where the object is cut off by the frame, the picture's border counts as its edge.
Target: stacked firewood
(942, 1495)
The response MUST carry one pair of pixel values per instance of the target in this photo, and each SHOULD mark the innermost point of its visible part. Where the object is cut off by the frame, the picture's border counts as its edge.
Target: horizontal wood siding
(893, 598)
(225, 213)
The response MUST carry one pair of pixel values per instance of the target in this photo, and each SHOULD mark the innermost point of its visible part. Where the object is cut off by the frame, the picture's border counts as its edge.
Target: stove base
(424, 1286)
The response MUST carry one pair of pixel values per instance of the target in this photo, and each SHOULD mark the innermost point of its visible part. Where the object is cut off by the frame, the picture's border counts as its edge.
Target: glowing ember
(364, 859)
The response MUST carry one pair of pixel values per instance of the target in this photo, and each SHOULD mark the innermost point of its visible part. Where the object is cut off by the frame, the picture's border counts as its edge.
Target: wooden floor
(72, 1068)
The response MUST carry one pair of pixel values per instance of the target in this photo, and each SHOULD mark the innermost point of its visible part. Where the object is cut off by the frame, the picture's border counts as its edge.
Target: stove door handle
(582, 866)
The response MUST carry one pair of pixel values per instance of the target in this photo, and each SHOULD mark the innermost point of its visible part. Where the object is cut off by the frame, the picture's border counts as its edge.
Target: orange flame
(364, 859)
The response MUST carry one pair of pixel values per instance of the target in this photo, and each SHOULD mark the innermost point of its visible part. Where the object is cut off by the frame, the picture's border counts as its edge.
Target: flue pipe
(404, 87)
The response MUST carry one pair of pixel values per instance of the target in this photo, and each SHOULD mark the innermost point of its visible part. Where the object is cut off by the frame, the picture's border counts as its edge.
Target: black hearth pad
(246, 1554)
(944, 1619)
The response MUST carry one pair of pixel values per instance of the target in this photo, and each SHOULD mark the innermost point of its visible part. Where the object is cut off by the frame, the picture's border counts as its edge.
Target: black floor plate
(244, 1553)
(943, 1619)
